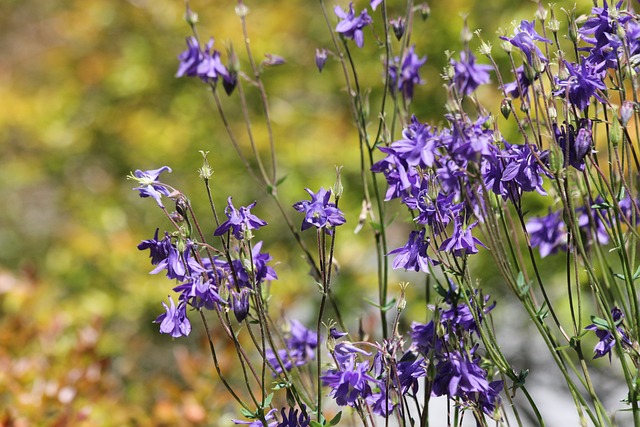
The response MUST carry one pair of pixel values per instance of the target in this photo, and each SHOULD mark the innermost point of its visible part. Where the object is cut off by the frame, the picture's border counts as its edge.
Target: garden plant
(562, 190)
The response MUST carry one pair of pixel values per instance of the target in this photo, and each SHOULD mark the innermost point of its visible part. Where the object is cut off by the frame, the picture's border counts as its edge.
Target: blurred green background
(88, 94)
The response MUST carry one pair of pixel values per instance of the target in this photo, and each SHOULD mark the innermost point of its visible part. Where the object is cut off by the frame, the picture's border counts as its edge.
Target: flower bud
(505, 107)
(240, 304)
(553, 112)
(242, 10)
(321, 58)
(425, 11)
(338, 189)
(615, 132)
(398, 25)
(626, 112)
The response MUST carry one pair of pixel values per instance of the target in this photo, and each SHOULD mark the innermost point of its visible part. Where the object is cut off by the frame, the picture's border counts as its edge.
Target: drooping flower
(601, 31)
(149, 184)
(461, 241)
(516, 169)
(349, 383)
(575, 145)
(467, 74)
(190, 59)
(406, 75)
(293, 419)
(319, 212)
(240, 221)
(604, 334)
(174, 321)
(210, 67)
(351, 25)
(548, 233)
(321, 58)
(459, 376)
(413, 255)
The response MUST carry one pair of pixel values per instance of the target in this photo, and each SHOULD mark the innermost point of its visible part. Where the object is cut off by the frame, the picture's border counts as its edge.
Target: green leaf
(600, 322)
(267, 400)
(335, 420)
(247, 413)
(281, 180)
(386, 308)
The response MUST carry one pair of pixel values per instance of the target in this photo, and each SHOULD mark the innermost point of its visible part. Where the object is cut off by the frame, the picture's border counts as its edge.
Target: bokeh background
(87, 94)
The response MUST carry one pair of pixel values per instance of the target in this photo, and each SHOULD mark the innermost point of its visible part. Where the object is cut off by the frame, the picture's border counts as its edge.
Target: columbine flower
(575, 145)
(149, 184)
(607, 340)
(459, 376)
(349, 383)
(351, 25)
(468, 75)
(406, 75)
(520, 85)
(461, 241)
(517, 169)
(210, 67)
(301, 345)
(399, 26)
(190, 59)
(319, 212)
(240, 221)
(174, 321)
(321, 58)
(583, 83)
(413, 255)
(548, 233)
(524, 38)
(293, 419)
(600, 30)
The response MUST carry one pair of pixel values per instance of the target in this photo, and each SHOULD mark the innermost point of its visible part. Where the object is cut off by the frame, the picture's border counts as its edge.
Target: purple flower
(301, 345)
(321, 58)
(374, 4)
(520, 86)
(247, 274)
(592, 224)
(158, 249)
(240, 221)
(174, 321)
(436, 213)
(459, 376)
(461, 241)
(582, 84)
(413, 255)
(575, 145)
(406, 75)
(351, 25)
(548, 233)
(469, 141)
(190, 59)
(319, 212)
(399, 26)
(600, 30)
(468, 75)
(418, 144)
(349, 383)
(424, 337)
(604, 334)
(240, 304)
(524, 39)
(149, 184)
(200, 292)
(515, 170)
(293, 419)
(210, 67)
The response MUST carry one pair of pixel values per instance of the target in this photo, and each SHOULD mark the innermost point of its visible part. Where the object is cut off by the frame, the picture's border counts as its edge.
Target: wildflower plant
(564, 187)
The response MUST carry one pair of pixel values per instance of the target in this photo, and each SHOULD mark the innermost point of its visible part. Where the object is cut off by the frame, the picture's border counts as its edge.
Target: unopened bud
(338, 189)
(505, 107)
(615, 133)
(398, 25)
(553, 112)
(425, 11)
(626, 112)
